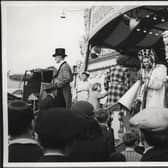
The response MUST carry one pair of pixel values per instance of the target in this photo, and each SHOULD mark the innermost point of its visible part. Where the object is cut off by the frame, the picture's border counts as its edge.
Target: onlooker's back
(91, 145)
(156, 154)
(90, 150)
(22, 147)
(24, 150)
(103, 118)
(130, 139)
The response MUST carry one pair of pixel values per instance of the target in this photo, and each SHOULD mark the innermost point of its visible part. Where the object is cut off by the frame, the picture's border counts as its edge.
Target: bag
(154, 119)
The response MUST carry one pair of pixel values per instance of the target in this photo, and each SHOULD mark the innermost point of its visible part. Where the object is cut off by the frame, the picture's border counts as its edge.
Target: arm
(158, 77)
(82, 90)
(106, 80)
(65, 77)
(101, 95)
(127, 80)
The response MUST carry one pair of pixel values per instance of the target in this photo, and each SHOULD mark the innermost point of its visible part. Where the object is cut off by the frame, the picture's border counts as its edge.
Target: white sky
(34, 30)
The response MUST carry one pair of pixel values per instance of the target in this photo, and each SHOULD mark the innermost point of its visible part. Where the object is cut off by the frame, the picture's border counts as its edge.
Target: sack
(154, 119)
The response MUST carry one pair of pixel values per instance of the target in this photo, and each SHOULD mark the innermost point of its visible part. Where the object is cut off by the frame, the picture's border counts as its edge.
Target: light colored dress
(156, 87)
(83, 90)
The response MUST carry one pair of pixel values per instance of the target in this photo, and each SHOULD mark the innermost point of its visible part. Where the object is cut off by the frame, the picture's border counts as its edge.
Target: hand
(139, 76)
(146, 77)
(136, 106)
(55, 81)
(54, 93)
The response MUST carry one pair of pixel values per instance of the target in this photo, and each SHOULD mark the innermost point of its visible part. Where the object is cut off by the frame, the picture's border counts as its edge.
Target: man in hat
(83, 87)
(153, 125)
(22, 147)
(62, 79)
(58, 128)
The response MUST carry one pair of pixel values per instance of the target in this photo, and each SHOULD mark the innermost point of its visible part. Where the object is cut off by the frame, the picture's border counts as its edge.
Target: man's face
(83, 77)
(147, 63)
(58, 58)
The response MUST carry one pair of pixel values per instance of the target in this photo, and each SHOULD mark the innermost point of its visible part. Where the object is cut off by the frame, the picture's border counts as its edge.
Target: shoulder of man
(65, 65)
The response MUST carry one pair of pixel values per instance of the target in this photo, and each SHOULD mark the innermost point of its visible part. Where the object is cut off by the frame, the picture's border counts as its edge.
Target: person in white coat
(153, 78)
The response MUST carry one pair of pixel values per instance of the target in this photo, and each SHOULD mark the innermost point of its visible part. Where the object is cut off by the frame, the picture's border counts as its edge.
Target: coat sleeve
(158, 77)
(106, 80)
(66, 77)
(127, 79)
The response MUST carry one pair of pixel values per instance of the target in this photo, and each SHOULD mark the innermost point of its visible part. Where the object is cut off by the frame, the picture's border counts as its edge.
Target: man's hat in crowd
(58, 125)
(153, 119)
(86, 110)
(86, 73)
(20, 116)
(101, 115)
(59, 52)
(83, 108)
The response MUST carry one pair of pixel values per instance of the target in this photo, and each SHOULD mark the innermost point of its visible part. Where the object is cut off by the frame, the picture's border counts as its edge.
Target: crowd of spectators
(79, 134)
(82, 132)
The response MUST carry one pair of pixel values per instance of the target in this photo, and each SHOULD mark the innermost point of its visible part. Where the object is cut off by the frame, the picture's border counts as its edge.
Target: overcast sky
(34, 30)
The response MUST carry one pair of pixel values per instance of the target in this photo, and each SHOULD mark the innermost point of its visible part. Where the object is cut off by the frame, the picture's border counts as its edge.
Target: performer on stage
(117, 81)
(58, 93)
(62, 79)
(153, 76)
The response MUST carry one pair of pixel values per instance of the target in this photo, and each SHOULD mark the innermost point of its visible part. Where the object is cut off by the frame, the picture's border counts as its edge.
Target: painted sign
(101, 15)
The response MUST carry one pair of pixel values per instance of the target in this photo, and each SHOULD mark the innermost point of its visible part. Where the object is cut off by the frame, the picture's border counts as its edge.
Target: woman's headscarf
(147, 53)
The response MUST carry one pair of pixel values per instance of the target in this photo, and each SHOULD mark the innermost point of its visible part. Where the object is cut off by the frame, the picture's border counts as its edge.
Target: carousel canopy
(140, 27)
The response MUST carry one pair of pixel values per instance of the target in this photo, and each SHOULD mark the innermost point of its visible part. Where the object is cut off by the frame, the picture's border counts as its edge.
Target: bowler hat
(20, 116)
(83, 108)
(59, 52)
(57, 126)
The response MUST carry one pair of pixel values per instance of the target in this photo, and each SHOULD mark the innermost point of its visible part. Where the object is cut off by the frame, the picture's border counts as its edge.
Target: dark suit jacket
(24, 152)
(156, 154)
(90, 150)
(108, 134)
(54, 158)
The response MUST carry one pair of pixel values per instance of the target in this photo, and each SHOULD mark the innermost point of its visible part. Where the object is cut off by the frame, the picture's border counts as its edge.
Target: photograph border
(3, 99)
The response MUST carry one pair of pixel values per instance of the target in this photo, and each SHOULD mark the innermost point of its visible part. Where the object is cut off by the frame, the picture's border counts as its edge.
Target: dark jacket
(53, 158)
(108, 134)
(156, 154)
(90, 150)
(24, 152)
(63, 79)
